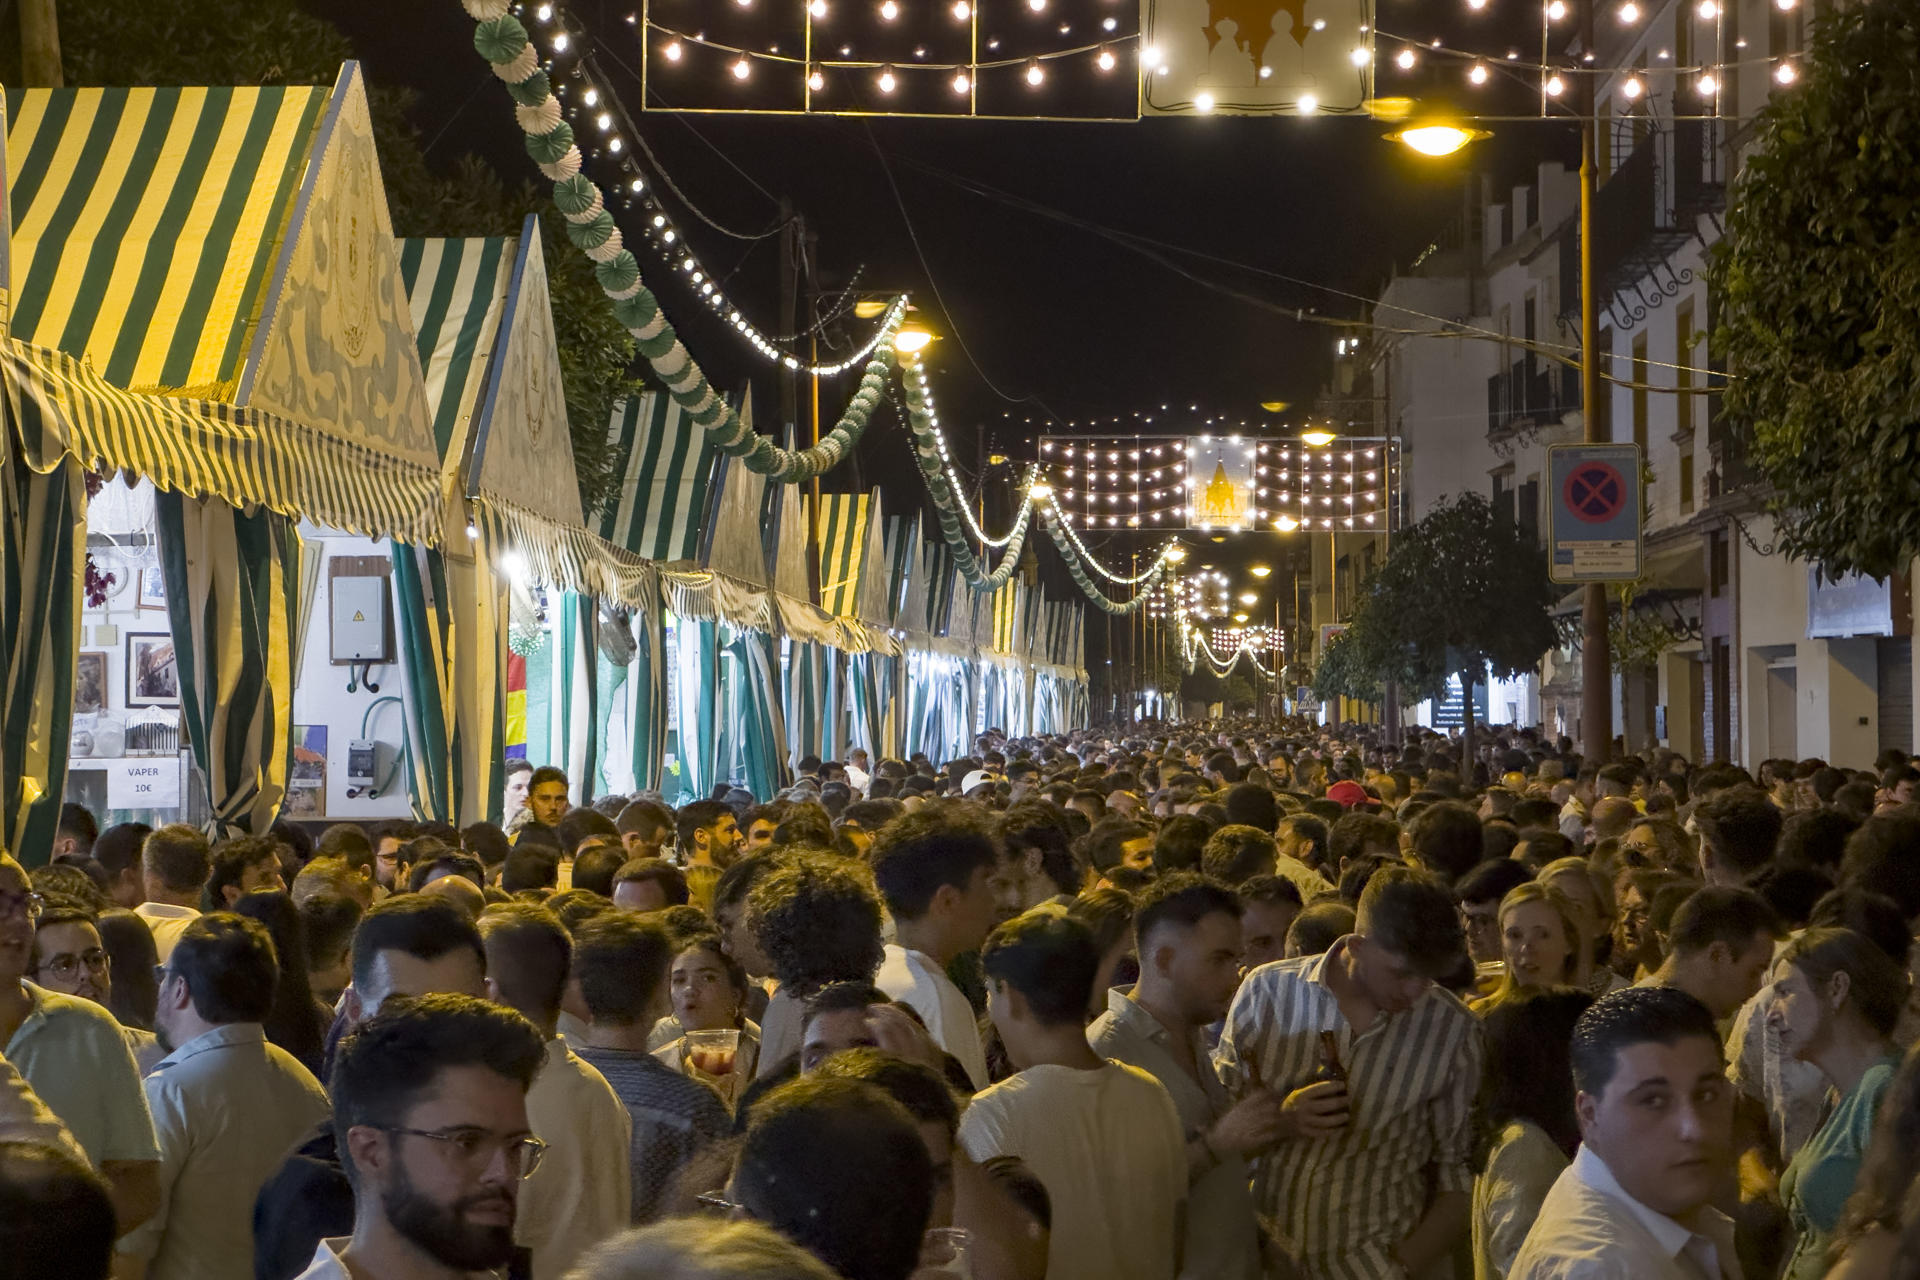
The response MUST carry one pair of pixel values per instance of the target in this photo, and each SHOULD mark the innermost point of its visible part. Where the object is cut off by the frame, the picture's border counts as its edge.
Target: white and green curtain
(425, 632)
(696, 697)
(232, 605)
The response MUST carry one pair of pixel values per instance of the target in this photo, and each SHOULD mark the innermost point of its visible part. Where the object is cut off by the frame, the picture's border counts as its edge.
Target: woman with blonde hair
(1591, 893)
(1539, 941)
(701, 1249)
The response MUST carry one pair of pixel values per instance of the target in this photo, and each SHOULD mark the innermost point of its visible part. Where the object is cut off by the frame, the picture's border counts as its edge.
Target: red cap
(1349, 794)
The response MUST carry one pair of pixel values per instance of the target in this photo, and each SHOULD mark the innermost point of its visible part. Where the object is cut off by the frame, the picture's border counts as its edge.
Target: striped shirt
(1346, 1201)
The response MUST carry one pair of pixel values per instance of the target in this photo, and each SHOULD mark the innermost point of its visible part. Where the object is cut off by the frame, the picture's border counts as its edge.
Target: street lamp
(1318, 438)
(1436, 134)
(1248, 597)
(1260, 570)
(1285, 524)
(910, 339)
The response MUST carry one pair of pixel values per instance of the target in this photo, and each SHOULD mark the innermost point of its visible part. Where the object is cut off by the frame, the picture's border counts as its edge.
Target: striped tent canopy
(228, 245)
(1005, 609)
(903, 540)
(936, 579)
(843, 550)
(876, 575)
(456, 292)
(666, 479)
(790, 523)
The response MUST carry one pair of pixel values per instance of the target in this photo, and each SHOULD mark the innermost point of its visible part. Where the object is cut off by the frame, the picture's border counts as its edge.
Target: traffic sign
(1595, 512)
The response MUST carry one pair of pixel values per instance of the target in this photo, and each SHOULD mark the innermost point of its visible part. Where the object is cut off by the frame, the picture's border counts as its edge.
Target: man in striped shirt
(1370, 1180)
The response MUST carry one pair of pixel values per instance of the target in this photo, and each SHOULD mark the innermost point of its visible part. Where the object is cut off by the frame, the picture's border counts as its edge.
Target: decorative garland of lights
(919, 371)
(931, 455)
(1196, 643)
(1051, 519)
(1159, 562)
(672, 246)
(503, 42)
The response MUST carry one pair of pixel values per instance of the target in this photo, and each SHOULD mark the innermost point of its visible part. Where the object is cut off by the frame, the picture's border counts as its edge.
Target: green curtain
(43, 523)
(424, 631)
(755, 727)
(696, 696)
(807, 692)
(650, 699)
(575, 712)
(865, 678)
(231, 605)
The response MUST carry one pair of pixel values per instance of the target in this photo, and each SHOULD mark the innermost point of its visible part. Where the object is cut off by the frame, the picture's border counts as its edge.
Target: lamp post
(1439, 136)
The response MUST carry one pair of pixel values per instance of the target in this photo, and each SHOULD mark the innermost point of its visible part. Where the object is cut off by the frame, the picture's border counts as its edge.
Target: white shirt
(326, 1264)
(1108, 1146)
(858, 779)
(1309, 882)
(1591, 1229)
(24, 1118)
(1507, 1195)
(166, 922)
(780, 1031)
(917, 979)
(582, 1192)
(228, 1107)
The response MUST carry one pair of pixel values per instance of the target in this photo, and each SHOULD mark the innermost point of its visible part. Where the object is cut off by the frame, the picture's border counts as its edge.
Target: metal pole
(1596, 660)
(40, 44)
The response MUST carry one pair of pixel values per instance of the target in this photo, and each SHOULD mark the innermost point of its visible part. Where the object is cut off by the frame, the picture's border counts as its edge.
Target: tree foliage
(1819, 282)
(1463, 590)
(200, 42)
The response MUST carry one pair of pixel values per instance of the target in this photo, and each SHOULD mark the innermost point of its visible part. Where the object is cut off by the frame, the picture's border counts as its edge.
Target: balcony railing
(1530, 394)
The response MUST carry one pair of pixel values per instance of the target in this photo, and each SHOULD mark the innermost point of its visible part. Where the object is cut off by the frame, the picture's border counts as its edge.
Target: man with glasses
(74, 1056)
(227, 1104)
(430, 1111)
(70, 958)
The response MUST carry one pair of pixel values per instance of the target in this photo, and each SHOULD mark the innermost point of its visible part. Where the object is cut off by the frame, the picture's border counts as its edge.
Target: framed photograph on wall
(90, 688)
(153, 589)
(153, 670)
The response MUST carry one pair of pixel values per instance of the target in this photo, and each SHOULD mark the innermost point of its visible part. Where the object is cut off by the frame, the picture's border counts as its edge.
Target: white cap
(979, 777)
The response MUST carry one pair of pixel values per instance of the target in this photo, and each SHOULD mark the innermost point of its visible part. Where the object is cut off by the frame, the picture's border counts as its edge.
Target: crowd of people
(1209, 1001)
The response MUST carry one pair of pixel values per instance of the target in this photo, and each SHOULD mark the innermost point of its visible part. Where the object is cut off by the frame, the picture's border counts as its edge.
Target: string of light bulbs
(917, 371)
(1165, 556)
(927, 453)
(601, 107)
(508, 48)
(1087, 585)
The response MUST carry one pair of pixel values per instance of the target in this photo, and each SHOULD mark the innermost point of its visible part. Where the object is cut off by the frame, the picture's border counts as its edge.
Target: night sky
(1042, 319)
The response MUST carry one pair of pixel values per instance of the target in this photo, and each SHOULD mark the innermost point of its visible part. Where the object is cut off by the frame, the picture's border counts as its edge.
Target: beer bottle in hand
(1330, 1068)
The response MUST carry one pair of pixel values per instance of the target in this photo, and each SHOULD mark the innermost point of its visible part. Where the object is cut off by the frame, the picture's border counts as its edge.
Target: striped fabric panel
(902, 540)
(456, 290)
(843, 546)
(1006, 615)
(43, 533)
(424, 626)
(145, 223)
(242, 457)
(232, 616)
(666, 482)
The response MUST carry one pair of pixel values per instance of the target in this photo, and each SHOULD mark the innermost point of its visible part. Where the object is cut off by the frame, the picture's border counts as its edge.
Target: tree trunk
(1466, 729)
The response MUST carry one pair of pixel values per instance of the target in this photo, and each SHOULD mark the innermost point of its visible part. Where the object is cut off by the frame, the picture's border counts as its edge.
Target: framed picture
(307, 781)
(153, 589)
(90, 689)
(153, 670)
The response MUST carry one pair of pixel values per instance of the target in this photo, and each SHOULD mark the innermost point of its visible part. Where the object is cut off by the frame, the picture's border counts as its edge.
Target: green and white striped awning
(456, 290)
(667, 473)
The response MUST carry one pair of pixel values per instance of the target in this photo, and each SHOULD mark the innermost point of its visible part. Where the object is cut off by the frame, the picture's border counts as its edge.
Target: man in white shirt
(1656, 1129)
(430, 1108)
(175, 863)
(1103, 1137)
(859, 771)
(226, 1104)
(583, 1192)
(934, 869)
(1189, 938)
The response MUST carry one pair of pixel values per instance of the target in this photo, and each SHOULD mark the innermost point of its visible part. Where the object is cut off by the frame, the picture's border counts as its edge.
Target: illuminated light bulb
(1360, 57)
(671, 51)
(1708, 10)
(742, 69)
(638, 184)
(560, 42)
(614, 144)
(1784, 4)
(1479, 73)
(962, 10)
(889, 10)
(1476, 5)
(604, 120)
(817, 9)
(1110, 24)
(1038, 6)
(960, 82)
(1106, 60)
(544, 13)
(1555, 86)
(1556, 10)
(1632, 88)
(1707, 85)
(1035, 76)
(816, 80)
(1319, 24)
(1203, 103)
(1404, 60)
(1785, 73)
(591, 96)
(1266, 73)
(1308, 104)
(886, 81)
(1628, 12)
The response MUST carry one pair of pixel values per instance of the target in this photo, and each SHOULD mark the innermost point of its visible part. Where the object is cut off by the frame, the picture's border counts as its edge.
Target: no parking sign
(1594, 513)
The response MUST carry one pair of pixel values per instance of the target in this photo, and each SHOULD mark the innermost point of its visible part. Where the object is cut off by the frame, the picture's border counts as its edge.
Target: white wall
(1436, 391)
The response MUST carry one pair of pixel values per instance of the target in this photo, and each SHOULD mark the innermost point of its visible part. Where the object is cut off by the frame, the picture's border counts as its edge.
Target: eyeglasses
(27, 904)
(66, 967)
(477, 1147)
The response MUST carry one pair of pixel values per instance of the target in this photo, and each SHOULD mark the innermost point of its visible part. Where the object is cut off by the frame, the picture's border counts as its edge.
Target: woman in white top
(1527, 1101)
(709, 992)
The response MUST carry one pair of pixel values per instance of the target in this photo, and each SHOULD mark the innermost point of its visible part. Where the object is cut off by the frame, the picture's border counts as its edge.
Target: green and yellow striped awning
(843, 548)
(145, 223)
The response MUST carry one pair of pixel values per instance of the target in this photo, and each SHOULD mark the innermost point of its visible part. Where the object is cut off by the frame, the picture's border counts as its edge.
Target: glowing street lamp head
(1318, 438)
(1041, 491)
(1286, 524)
(911, 340)
(1176, 553)
(1248, 597)
(1260, 570)
(1437, 138)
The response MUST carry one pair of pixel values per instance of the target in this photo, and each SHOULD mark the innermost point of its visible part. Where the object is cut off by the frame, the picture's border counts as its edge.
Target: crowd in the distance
(1224, 1001)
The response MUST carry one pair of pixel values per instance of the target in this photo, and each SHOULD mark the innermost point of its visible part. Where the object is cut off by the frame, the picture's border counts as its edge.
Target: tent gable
(666, 479)
(336, 348)
(738, 548)
(522, 452)
(876, 573)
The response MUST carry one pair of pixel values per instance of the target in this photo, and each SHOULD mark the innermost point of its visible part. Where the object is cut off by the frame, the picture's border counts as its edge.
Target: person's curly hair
(817, 918)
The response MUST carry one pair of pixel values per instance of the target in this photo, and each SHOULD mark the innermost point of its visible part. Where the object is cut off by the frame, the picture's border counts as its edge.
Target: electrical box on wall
(361, 622)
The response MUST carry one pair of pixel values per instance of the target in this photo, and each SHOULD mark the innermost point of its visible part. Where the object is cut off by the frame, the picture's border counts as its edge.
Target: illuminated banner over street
(1220, 483)
(1256, 57)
